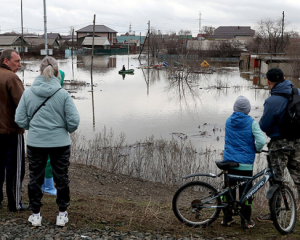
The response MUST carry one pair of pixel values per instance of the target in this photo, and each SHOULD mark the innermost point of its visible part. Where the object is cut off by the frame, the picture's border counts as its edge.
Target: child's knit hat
(242, 104)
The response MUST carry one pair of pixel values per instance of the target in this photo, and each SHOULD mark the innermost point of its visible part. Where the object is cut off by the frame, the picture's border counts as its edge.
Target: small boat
(126, 71)
(165, 64)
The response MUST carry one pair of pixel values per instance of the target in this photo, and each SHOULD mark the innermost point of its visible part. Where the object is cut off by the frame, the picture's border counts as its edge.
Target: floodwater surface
(151, 102)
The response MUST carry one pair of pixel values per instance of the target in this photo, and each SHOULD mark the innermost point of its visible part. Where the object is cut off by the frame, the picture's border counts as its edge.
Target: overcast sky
(164, 15)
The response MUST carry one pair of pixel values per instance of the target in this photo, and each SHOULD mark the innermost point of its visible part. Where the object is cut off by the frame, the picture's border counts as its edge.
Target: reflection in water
(93, 107)
(184, 90)
(103, 63)
(258, 80)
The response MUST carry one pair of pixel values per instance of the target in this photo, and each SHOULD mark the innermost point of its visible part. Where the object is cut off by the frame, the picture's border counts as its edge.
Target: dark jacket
(274, 109)
(11, 89)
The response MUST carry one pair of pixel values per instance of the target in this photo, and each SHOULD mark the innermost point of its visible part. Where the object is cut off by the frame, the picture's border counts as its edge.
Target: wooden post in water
(72, 41)
(92, 71)
(128, 49)
(73, 53)
(93, 51)
(148, 41)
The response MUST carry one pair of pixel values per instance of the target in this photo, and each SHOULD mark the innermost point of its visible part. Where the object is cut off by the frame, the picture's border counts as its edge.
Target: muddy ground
(100, 199)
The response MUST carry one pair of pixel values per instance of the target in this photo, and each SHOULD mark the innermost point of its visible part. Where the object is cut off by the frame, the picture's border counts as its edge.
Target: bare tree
(273, 36)
(171, 43)
(12, 33)
(208, 30)
(293, 52)
(156, 42)
(225, 48)
(71, 29)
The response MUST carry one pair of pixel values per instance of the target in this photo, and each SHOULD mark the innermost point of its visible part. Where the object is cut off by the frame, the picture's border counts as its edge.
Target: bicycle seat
(224, 165)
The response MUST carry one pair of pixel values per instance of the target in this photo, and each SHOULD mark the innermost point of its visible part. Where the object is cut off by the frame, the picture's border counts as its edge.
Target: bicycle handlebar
(283, 149)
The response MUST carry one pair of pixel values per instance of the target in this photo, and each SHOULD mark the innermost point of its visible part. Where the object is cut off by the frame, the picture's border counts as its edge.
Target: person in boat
(243, 138)
(123, 68)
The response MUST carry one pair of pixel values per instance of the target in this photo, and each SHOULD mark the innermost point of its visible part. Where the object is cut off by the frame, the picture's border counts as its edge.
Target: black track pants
(59, 158)
(12, 168)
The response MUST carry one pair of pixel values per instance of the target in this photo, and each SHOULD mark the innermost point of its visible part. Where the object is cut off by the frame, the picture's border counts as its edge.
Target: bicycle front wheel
(283, 210)
(192, 204)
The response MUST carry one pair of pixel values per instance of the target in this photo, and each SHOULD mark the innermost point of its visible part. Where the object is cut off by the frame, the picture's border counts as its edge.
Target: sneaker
(227, 222)
(265, 218)
(247, 224)
(36, 220)
(62, 220)
(23, 207)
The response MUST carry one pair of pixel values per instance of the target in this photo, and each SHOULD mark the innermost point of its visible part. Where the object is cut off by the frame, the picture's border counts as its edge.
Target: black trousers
(12, 162)
(246, 209)
(59, 158)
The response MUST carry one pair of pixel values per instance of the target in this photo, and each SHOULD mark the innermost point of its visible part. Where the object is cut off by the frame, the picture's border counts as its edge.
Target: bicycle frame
(268, 174)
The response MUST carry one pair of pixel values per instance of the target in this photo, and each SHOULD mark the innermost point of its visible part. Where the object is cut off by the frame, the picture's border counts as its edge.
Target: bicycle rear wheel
(192, 204)
(284, 218)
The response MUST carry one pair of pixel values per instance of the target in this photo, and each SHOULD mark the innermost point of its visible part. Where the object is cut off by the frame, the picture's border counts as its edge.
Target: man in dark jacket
(12, 156)
(274, 109)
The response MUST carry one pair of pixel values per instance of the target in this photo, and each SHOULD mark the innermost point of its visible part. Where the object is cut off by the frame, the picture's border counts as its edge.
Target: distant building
(40, 42)
(14, 42)
(56, 36)
(99, 42)
(201, 36)
(100, 31)
(184, 38)
(241, 33)
(138, 39)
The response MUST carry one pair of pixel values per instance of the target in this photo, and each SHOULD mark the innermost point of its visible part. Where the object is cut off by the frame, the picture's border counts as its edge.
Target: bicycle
(198, 203)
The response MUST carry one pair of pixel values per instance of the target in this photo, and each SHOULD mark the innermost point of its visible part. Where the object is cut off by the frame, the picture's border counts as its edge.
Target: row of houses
(106, 38)
(239, 36)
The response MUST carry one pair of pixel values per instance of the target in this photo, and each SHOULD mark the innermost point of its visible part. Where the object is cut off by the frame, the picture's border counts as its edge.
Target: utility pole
(72, 41)
(93, 51)
(94, 22)
(45, 28)
(282, 27)
(22, 48)
(199, 22)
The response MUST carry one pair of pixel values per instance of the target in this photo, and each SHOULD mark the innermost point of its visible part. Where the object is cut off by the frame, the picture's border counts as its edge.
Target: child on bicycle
(243, 138)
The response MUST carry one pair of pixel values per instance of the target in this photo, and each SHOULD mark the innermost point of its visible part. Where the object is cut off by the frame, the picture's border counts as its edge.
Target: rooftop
(8, 40)
(98, 29)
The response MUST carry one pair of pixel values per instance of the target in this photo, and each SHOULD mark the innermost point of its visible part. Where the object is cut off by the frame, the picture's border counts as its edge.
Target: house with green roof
(122, 39)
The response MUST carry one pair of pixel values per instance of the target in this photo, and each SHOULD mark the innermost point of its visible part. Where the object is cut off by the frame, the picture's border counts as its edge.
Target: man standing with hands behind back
(12, 155)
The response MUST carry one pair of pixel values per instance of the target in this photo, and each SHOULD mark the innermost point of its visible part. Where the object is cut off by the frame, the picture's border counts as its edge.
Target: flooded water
(150, 102)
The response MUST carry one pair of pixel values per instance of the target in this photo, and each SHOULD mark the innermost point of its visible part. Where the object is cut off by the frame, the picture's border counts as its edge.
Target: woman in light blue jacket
(48, 134)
